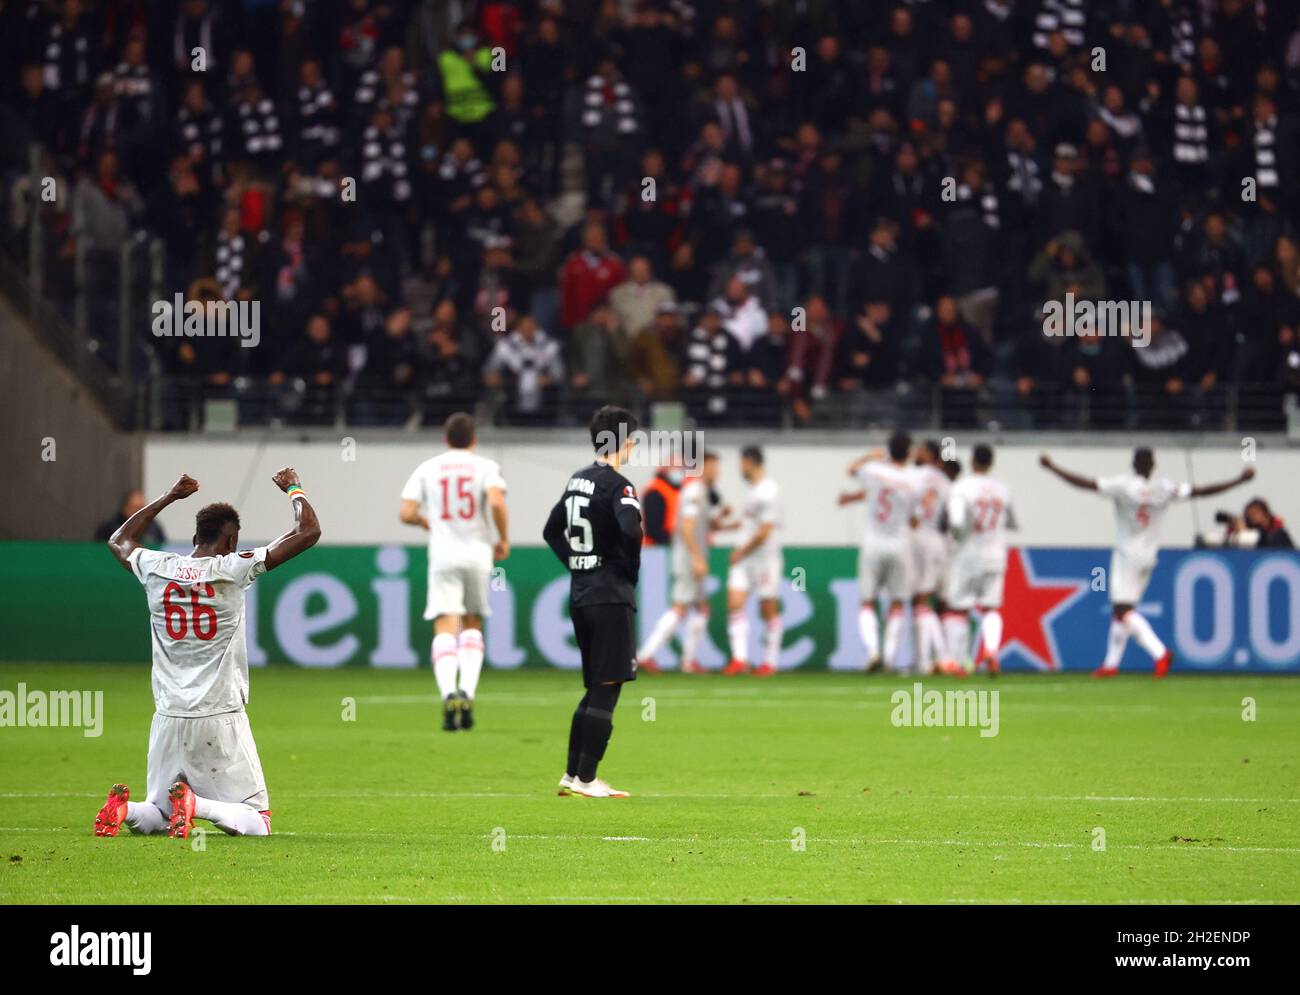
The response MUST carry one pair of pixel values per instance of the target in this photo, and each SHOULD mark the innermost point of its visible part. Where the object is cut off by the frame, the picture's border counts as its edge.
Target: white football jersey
(693, 503)
(890, 493)
(1140, 506)
(979, 511)
(762, 506)
(931, 485)
(196, 612)
(452, 491)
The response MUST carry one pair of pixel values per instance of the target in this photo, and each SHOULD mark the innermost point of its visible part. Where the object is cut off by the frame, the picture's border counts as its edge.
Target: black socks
(596, 719)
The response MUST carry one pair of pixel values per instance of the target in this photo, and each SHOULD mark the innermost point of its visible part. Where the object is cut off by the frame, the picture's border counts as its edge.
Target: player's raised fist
(1248, 473)
(184, 487)
(1045, 461)
(286, 478)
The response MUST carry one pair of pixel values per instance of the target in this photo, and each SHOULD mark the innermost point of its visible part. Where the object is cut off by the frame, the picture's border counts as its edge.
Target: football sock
(956, 627)
(738, 634)
(991, 630)
(470, 657)
(234, 818)
(893, 635)
(1146, 636)
(597, 725)
(772, 641)
(145, 818)
(869, 630)
(445, 662)
(1116, 640)
(696, 623)
(927, 639)
(938, 643)
(575, 736)
(659, 635)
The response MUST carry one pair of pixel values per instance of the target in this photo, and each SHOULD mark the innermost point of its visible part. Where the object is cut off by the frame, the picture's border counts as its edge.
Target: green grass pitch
(1196, 804)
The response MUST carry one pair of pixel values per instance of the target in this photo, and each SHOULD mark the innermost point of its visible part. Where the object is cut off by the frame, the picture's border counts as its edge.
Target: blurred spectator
(654, 355)
(957, 360)
(598, 359)
(589, 275)
(527, 365)
(153, 536)
(637, 299)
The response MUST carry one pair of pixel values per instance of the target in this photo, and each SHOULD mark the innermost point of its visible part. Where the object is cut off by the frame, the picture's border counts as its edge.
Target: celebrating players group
(934, 538)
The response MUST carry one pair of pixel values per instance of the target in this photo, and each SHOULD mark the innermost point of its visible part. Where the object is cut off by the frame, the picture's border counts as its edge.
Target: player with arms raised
(595, 531)
(888, 487)
(979, 513)
(203, 763)
(1140, 506)
(459, 498)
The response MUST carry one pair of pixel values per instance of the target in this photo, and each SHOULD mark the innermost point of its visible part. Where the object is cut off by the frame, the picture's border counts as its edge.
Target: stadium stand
(750, 212)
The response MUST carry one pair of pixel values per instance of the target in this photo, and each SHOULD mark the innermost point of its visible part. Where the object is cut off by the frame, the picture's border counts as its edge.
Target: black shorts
(607, 640)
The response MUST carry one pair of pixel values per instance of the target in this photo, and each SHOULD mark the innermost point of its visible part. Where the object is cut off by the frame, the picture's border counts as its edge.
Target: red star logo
(1030, 606)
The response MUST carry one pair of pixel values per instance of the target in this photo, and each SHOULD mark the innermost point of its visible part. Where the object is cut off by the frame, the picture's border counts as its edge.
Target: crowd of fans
(769, 211)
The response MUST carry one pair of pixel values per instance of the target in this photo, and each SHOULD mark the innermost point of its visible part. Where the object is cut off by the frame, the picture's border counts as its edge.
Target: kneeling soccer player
(595, 531)
(202, 762)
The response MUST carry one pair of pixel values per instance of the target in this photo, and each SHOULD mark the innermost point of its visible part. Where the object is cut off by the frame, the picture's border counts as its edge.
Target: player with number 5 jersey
(1141, 501)
(888, 486)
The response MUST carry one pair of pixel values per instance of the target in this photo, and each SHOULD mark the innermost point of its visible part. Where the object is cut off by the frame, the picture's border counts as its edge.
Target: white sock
(991, 630)
(696, 623)
(234, 818)
(893, 636)
(956, 626)
(738, 635)
(938, 645)
(1116, 640)
(869, 630)
(927, 637)
(146, 818)
(659, 635)
(772, 642)
(1144, 634)
(445, 662)
(470, 658)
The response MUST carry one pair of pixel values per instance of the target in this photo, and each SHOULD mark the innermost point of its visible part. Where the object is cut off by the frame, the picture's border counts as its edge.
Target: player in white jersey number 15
(1140, 504)
(203, 763)
(459, 499)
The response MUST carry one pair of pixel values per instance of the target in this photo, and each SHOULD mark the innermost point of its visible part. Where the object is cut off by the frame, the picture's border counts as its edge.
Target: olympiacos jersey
(452, 491)
(1140, 506)
(196, 614)
(979, 511)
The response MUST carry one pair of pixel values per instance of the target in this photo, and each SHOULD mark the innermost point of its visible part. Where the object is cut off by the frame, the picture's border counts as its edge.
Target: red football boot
(735, 667)
(182, 820)
(693, 667)
(648, 666)
(766, 670)
(1164, 663)
(1105, 672)
(110, 818)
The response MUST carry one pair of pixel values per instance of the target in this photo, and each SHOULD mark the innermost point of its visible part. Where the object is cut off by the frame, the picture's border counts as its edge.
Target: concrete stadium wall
(357, 499)
(93, 465)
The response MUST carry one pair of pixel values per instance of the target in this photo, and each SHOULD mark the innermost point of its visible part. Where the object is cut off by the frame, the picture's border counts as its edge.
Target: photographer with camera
(1256, 528)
